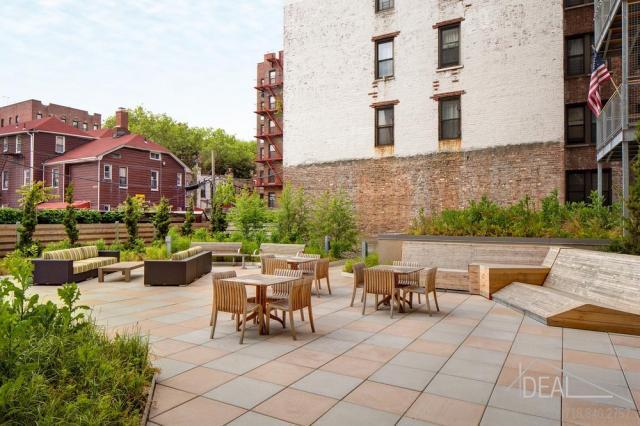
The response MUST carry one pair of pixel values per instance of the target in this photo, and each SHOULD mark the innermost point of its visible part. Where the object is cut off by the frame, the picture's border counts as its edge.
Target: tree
(187, 226)
(70, 220)
(230, 153)
(631, 239)
(31, 196)
(249, 214)
(162, 219)
(291, 218)
(133, 211)
(334, 216)
(224, 197)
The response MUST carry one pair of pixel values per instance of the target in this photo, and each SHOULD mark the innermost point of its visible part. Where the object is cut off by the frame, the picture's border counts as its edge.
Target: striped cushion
(58, 255)
(89, 251)
(185, 254)
(85, 265)
(78, 253)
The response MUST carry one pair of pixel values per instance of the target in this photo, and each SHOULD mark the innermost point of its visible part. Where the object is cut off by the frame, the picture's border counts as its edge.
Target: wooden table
(398, 271)
(295, 261)
(124, 267)
(261, 282)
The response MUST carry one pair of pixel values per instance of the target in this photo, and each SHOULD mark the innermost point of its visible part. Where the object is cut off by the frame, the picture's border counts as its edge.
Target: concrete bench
(280, 250)
(584, 289)
(223, 249)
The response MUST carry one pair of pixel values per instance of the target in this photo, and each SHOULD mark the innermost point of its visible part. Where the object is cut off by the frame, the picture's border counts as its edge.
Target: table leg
(127, 275)
(100, 275)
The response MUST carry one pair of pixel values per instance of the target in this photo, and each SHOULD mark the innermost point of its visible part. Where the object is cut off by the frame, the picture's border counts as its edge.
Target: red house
(105, 165)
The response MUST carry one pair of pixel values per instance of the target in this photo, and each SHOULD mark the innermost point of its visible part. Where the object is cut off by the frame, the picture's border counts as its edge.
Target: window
(17, 121)
(55, 178)
(580, 125)
(203, 192)
(1, 122)
(578, 60)
(383, 5)
(64, 120)
(570, 3)
(262, 129)
(39, 116)
(261, 155)
(95, 127)
(272, 77)
(123, 174)
(5, 180)
(272, 102)
(155, 155)
(272, 177)
(155, 175)
(59, 144)
(75, 123)
(26, 177)
(272, 151)
(384, 58)
(106, 207)
(580, 184)
(9, 120)
(18, 144)
(106, 172)
(5, 144)
(384, 126)
(449, 46)
(116, 155)
(271, 201)
(85, 126)
(449, 112)
(179, 180)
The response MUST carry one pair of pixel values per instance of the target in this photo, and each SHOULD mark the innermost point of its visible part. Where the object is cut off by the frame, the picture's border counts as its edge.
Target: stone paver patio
(475, 362)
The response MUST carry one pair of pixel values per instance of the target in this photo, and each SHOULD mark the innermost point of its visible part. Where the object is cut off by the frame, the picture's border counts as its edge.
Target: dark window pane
(450, 118)
(384, 56)
(384, 5)
(576, 56)
(575, 124)
(449, 46)
(385, 136)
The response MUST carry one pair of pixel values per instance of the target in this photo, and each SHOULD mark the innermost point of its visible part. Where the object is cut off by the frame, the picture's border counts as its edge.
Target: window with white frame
(5, 144)
(27, 177)
(106, 207)
(179, 180)
(5, 180)
(106, 172)
(154, 155)
(55, 178)
(85, 126)
(39, 116)
(155, 176)
(59, 144)
(18, 144)
(123, 175)
(95, 127)
(75, 123)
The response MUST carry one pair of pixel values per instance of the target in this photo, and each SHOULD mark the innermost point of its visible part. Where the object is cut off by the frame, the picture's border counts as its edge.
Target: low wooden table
(124, 267)
(397, 272)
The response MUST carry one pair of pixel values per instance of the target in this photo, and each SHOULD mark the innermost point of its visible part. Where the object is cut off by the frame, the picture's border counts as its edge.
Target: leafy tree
(133, 211)
(249, 215)
(230, 153)
(631, 240)
(70, 220)
(189, 218)
(224, 196)
(31, 196)
(291, 218)
(334, 215)
(162, 219)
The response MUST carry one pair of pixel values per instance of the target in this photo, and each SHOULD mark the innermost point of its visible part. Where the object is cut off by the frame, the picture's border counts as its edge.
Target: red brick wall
(389, 192)
(28, 110)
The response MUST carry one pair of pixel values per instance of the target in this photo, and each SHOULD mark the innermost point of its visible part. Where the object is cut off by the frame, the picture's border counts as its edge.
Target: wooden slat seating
(231, 297)
(270, 264)
(299, 299)
(222, 249)
(281, 291)
(426, 284)
(280, 249)
(380, 282)
(584, 289)
(216, 276)
(412, 279)
(358, 281)
(320, 272)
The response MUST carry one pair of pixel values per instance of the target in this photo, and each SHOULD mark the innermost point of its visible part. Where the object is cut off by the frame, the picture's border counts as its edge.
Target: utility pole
(213, 177)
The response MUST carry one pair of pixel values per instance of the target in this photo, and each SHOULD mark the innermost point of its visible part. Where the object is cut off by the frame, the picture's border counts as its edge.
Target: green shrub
(30, 197)
(9, 216)
(178, 242)
(202, 235)
(630, 242)
(57, 367)
(372, 259)
(70, 218)
(249, 215)
(189, 218)
(156, 252)
(133, 211)
(162, 219)
(334, 215)
(292, 217)
(112, 216)
(58, 245)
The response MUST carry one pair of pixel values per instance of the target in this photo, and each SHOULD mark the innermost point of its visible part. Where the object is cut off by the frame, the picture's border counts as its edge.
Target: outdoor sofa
(218, 249)
(71, 265)
(183, 268)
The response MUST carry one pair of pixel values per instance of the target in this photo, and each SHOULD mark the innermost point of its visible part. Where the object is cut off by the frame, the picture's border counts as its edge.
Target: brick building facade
(33, 109)
(270, 127)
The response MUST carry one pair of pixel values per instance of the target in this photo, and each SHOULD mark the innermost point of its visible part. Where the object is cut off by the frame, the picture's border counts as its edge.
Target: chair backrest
(270, 264)
(229, 296)
(308, 255)
(281, 249)
(322, 268)
(414, 276)
(358, 273)
(378, 281)
(428, 278)
(300, 294)
(285, 288)
(223, 275)
(262, 258)
(405, 263)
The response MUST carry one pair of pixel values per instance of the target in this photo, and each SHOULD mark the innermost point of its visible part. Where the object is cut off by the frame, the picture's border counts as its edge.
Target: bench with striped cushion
(185, 254)
(71, 265)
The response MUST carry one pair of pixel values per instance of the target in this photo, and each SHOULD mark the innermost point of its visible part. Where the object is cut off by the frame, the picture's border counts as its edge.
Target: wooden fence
(108, 232)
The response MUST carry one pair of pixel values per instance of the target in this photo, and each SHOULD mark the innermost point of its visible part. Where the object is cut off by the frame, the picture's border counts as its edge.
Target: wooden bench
(223, 250)
(584, 289)
(280, 250)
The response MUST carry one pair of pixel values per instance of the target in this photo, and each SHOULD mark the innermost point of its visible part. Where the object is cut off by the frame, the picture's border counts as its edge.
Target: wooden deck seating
(358, 280)
(320, 272)
(584, 289)
(231, 297)
(299, 298)
(426, 284)
(218, 249)
(380, 282)
(279, 249)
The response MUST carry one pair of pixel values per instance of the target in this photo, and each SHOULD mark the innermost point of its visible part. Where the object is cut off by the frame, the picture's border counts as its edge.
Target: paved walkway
(473, 362)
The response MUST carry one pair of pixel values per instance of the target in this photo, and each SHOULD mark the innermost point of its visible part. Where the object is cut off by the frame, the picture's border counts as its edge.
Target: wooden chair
(426, 285)
(281, 291)
(321, 271)
(270, 264)
(262, 259)
(358, 280)
(308, 255)
(231, 297)
(380, 282)
(216, 276)
(299, 298)
(412, 279)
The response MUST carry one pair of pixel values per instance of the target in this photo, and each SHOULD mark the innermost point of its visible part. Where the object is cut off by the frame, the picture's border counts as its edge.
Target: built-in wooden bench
(584, 289)
(222, 249)
(280, 249)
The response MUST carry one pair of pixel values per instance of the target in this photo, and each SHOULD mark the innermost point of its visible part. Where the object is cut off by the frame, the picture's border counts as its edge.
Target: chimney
(122, 123)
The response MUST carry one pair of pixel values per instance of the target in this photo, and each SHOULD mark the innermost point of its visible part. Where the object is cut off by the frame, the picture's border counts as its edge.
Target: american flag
(599, 74)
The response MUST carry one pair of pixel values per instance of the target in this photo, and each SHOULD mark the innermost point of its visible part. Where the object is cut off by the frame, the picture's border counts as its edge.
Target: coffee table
(124, 267)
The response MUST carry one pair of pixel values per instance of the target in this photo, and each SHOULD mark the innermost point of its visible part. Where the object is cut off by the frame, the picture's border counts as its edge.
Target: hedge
(9, 216)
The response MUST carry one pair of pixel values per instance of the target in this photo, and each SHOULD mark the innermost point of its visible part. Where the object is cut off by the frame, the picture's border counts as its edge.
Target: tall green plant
(334, 216)
(631, 239)
(224, 196)
(133, 211)
(30, 197)
(249, 214)
(292, 218)
(189, 218)
(162, 219)
(70, 220)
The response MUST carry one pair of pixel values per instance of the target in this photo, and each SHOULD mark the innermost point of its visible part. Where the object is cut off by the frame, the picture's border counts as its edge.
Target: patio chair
(270, 264)
(262, 259)
(308, 255)
(426, 285)
(321, 271)
(231, 297)
(299, 298)
(358, 280)
(412, 279)
(281, 291)
(216, 276)
(380, 282)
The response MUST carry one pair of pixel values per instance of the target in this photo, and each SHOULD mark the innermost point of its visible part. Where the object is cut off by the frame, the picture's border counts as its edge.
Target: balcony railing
(605, 10)
(610, 121)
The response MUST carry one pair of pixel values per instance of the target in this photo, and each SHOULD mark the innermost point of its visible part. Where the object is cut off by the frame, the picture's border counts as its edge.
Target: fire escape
(617, 29)
(269, 150)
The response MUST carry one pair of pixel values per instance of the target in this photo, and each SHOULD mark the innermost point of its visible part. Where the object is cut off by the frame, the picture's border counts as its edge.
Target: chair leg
(293, 325)
(238, 322)
(353, 295)
(328, 284)
(394, 296)
(436, 300)
(364, 301)
(268, 318)
(362, 295)
(302, 314)
(426, 297)
(214, 320)
(313, 327)
(260, 319)
(284, 319)
(419, 302)
(317, 287)
(244, 324)
(233, 316)
(376, 302)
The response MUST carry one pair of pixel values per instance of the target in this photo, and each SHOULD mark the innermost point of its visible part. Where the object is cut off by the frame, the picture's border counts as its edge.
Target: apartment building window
(64, 120)
(5, 144)
(578, 132)
(384, 58)
(578, 57)
(261, 155)
(384, 5)
(76, 123)
(272, 77)
(39, 116)
(262, 129)
(179, 180)
(203, 192)
(106, 172)
(449, 46)
(55, 178)
(271, 201)
(9, 120)
(17, 121)
(272, 102)
(26, 176)
(5, 180)
(272, 151)
(106, 207)
(581, 183)
(1, 122)
(155, 176)
(384, 126)
(261, 175)
(449, 118)
(123, 175)
(59, 148)
(18, 144)
(155, 156)
(271, 176)
(85, 126)
(95, 127)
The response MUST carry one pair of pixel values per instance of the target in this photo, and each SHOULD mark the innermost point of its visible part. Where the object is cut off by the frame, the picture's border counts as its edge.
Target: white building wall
(512, 75)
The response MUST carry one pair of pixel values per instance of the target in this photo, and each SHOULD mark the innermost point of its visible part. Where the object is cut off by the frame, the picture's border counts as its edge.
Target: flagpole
(615, 86)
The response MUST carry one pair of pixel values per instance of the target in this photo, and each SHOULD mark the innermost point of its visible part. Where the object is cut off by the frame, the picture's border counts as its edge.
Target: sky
(194, 60)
